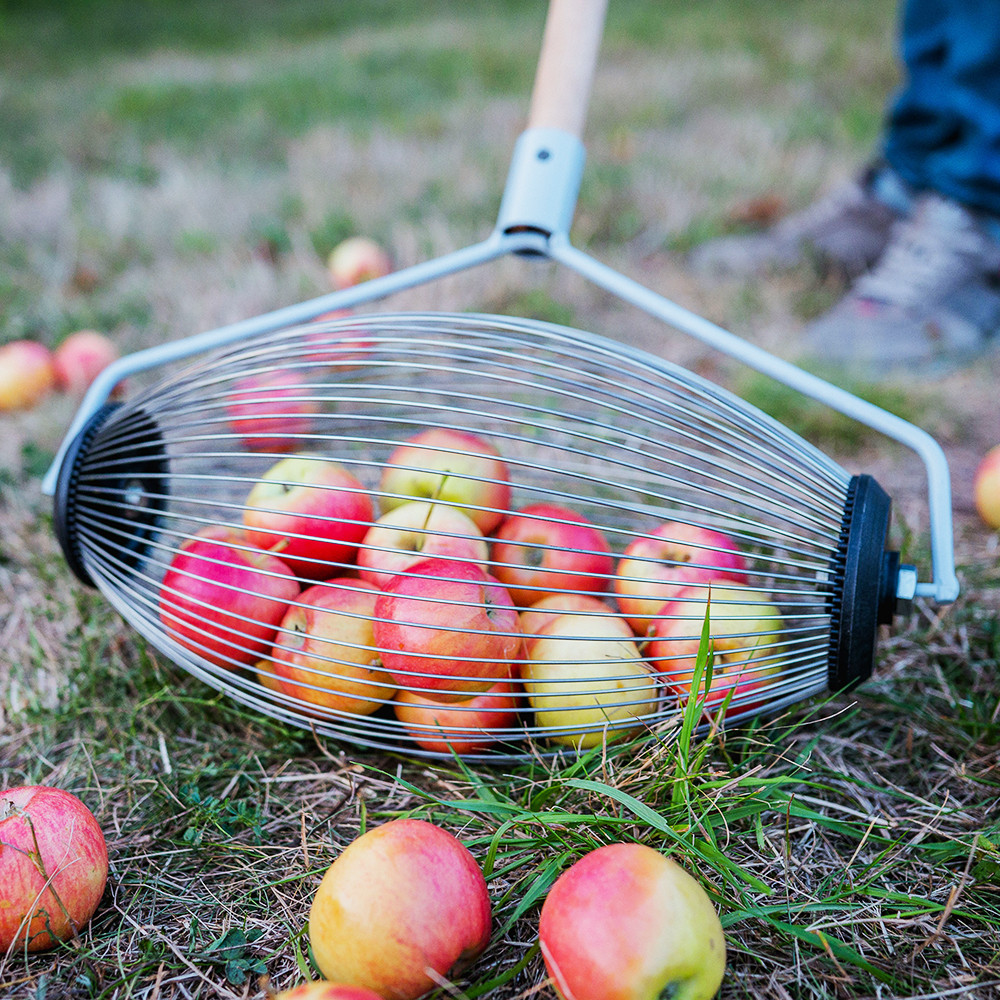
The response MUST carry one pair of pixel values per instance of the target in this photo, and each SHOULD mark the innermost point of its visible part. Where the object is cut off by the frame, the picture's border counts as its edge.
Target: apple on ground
(27, 374)
(454, 466)
(625, 922)
(745, 636)
(414, 532)
(53, 867)
(547, 548)
(271, 410)
(324, 990)
(986, 488)
(310, 511)
(324, 653)
(447, 629)
(537, 616)
(655, 567)
(223, 599)
(464, 726)
(403, 900)
(586, 681)
(357, 259)
(80, 358)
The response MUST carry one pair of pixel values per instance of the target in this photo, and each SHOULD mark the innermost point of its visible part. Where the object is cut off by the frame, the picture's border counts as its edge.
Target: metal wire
(625, 441)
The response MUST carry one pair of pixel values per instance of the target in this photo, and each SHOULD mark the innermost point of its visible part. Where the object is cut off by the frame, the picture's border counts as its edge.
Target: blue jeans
(943, 128)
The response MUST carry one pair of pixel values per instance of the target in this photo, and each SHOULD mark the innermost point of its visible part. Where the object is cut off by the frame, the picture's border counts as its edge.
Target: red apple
(415, 532)
(655, 567)
(355, 260)
(587, 681)
(745, 630)
(311, 512)
(53, 867)
(27, 374)
(546, 548)
(404, 900)
(536, 617)
(342, 349)
(222, 599)
(464, 726)
(627, 923)
(325, 651)
(453, 466)
(986, 488)
(270, 410)
(446, 628)
(80, 358)
(323, 990)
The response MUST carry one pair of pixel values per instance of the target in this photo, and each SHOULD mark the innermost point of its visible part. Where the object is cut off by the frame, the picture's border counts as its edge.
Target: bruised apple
(403, 900)
(454, 466)
(447, 629)
(628, 923)
(53, 867)
(309, 511)
(546, 548)
(223, 599)
(325, 651)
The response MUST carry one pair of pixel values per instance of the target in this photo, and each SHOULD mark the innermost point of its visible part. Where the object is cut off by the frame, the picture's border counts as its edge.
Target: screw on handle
(572, 37)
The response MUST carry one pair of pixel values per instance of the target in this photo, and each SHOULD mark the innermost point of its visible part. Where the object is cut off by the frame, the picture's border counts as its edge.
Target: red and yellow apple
(324, 990)
(414, 532)
(403, 900)
(311, 512)
(27, 374)
(625, 922)
(80, 358)
(586, 681)
(357, 259)
(53, 867)
(271, 410)
(455, 467)
(536, 617)
(325, 652)
(547, 548)
(223, 599)
(655, 567)
(745, 637)
(447, 629)
(986, 488)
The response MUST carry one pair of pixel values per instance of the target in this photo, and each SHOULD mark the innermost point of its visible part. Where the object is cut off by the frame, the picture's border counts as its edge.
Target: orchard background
(168, 167)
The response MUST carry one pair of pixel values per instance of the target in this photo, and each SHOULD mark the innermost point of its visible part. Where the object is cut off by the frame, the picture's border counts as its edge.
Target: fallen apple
(223, 599)
(357, 259)
(270, 410)
(626, 922)
(311, 512)
(454, 467)
(546, 548)
(80, 358)
(325, 654)
(447, 629)
(586, 681)
(53, 867)
(986, 488)
(27, 375)
(404, 905)
(324, 990)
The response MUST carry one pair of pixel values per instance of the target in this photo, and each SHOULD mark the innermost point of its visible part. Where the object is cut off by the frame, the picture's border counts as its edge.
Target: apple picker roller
(703, 512)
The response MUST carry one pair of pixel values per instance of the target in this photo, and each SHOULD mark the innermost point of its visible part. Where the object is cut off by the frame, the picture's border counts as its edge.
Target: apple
(453, 466)
(80, 358)
(459, 726)
(625, 922)
(323, 990)
(311, 512)
(745, 638)
(271, 410)
(446, 628)
(414, 532)
(325, 651)
(655, 567)
(355, 260)
(585, 679)
(986, 488)
(53, 867)
(27, 374)
(222, 599)
(339, 349)
(537, 616)
(546, 548)
(404, 899)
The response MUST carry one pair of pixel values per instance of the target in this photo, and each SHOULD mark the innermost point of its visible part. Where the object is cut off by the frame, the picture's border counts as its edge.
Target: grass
(169, 166)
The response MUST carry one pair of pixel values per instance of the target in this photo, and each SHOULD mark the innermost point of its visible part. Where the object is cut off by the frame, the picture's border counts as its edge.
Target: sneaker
(845, 231)
(931, 302)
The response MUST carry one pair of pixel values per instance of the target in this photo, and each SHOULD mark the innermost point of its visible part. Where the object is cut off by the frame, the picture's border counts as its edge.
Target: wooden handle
(572, 36)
